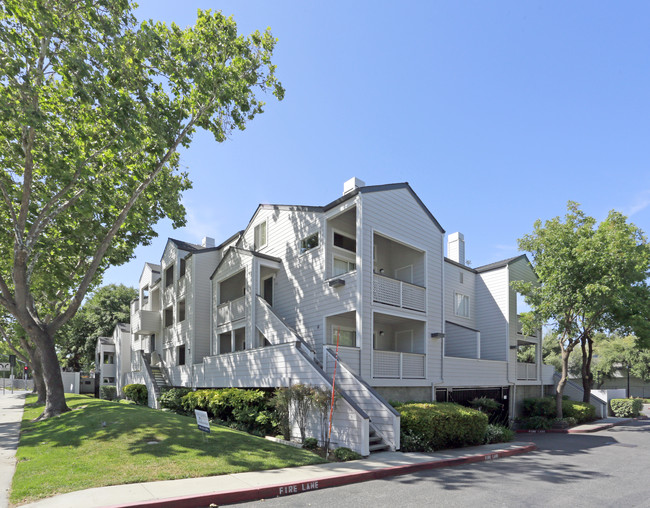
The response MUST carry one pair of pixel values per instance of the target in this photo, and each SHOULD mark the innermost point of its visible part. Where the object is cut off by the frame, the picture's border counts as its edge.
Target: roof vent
(207, 242)
(352, 184)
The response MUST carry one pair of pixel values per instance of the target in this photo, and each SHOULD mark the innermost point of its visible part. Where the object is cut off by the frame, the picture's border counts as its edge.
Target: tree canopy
(591, 278)
(97, 317)
(93, 111)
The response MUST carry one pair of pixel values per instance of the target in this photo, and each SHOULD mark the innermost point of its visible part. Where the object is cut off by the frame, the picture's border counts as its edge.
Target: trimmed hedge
(246, 410)
(626, 408)
(545, 407)
(435, 426)
(172, 399)
(498, 434)
(108, 392)
(137, 393)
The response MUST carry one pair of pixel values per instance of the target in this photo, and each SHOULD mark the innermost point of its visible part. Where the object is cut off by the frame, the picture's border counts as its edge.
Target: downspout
(442, 307)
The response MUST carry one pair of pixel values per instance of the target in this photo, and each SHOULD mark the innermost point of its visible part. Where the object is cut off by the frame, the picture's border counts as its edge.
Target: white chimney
(456, 247)
(352, 184)
(207, 242)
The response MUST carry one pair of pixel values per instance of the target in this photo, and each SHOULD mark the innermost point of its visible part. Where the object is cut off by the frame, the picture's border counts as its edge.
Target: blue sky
(497, 113)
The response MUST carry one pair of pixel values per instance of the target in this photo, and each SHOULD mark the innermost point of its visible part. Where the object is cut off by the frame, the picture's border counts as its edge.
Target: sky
(496, 113)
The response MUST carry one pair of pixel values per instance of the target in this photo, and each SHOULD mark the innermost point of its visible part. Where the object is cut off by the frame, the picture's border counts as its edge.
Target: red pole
(336, 361)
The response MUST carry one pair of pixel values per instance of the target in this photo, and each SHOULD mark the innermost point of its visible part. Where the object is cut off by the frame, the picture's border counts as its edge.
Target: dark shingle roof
(500, 264)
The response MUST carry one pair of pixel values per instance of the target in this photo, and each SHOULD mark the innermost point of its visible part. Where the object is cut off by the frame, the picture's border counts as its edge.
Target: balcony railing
(398, 293)
(145, 322)
(526, 371)
(396, 365)
(232, 311)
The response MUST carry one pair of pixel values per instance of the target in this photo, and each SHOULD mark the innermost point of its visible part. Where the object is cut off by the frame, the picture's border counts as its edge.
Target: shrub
(311, 443)
(581, 411)
(281, 403)
(443, 425)
(172, 399)
(498, 434)
(485, 405)
(108, 392)
(344, 454)
(568, 421)
(536, 423)
(137, 393)
(626, 408)
(545, 407)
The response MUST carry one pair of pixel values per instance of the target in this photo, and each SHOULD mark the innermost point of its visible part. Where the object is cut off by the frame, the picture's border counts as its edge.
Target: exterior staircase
(159, 380)
(377, 444)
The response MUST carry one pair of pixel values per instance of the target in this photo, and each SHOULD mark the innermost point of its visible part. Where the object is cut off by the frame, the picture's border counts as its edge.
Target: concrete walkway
(11, 414)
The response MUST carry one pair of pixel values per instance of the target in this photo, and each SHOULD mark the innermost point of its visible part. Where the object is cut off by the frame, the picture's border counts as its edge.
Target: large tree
(591, 278)
(97, 317)
(615, 355)
(93, 111)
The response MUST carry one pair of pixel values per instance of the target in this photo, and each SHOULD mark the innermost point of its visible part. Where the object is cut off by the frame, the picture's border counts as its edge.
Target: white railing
(398, 293)
(395, 365)
(526, 371)
(232, 311)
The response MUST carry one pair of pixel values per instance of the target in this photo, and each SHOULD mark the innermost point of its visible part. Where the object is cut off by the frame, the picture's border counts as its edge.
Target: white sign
(202, 420)
(5, 367)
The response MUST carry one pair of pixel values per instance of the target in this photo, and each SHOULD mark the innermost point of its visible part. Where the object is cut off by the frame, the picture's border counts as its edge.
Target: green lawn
(103, 443)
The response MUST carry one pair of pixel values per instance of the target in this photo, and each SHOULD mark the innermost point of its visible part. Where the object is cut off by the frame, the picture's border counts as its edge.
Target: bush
(344, 454)
(311, 443)
(108, 392)
(536, 423)
(137, 393)
(441, 425)
(172, 399)
(626, 408)
(545, 407)
(498, 434)
(566, 422)
(581, 411)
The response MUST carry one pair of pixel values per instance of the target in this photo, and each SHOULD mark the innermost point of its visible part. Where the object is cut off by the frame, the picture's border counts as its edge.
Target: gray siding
(492, 311)
(461, 342)
(467, 372)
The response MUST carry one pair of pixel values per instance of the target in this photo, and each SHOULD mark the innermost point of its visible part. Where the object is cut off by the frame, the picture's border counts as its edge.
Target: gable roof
(500, 264)
(459, 265)
(231, 250)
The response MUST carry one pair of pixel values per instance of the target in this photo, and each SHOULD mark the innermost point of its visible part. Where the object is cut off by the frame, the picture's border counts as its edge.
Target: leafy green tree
(97, 317)
(93, 111)
(614, 353)
(591, 278)
(552, 355)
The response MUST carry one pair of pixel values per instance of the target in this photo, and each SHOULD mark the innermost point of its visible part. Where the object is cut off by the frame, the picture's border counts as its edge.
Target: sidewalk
(240, 487)
(595, 426)
(11, 414)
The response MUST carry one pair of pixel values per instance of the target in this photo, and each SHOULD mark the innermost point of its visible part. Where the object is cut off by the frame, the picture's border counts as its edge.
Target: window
(345, 242)
(168, 318)
(260, 236)
(181, 269)
(461, 305)
(181, 355)
(461, 277)
(109, 358)
(309, 243)
(342, 266)
(346, 336)
(169, 276)
(181, 311)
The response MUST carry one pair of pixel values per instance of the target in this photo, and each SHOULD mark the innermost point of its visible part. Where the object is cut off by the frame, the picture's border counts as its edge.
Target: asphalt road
(607, 468)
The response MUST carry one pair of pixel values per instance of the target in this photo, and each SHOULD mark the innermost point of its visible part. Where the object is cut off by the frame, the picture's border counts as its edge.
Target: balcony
(232, 311)
(396, 365)
(398, 293)
(145, 322)
(526, 371)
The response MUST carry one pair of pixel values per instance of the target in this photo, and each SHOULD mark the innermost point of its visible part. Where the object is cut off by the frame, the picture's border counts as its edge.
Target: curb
(285, 489)
(576, 430)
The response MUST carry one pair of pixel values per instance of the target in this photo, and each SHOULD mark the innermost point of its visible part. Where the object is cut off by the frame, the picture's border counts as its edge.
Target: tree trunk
(37, 375)
(587, 346)
(54, 393)
(562, 382)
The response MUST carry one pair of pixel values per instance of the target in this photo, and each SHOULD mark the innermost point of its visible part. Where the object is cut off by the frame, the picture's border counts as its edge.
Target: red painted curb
(285, 489)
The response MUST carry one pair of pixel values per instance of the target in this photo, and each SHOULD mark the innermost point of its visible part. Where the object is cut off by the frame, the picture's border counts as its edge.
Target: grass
(102, 443)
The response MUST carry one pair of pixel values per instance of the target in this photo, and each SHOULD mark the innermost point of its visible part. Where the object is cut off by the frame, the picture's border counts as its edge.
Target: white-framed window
(181, 311)
(109, 358)
(342, 266)
(181, 355)
(346, 336)
(168, 317)
(169, 276)
(461, 305)
(181, 268)
(461, 277)
(260, 236)
(309, 243)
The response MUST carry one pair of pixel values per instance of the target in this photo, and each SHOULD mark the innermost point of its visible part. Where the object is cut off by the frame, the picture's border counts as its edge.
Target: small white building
(267, 307)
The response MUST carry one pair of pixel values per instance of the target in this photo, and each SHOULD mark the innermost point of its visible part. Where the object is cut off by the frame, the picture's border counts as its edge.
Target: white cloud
(640, 203)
